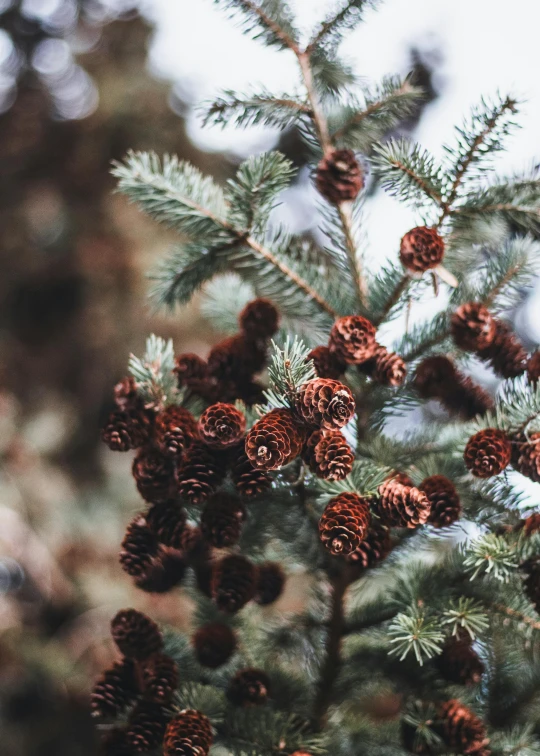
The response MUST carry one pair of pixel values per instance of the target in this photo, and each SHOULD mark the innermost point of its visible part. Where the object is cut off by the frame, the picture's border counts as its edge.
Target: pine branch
(255, 108)
(408, 172)
(153, 374)
(271, 20)
(332, 28)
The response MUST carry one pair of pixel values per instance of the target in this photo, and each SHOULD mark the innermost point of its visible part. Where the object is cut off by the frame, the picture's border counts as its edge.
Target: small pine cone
(189, 367)
(531, 524)
(533, 368)
(236, 359)
(461, 730)
(175, 430)
(135, 634)
(344, 523)
(248, 480)
(434, 377)
(222, 519)
(459, 662)
(466, 399)
(259, 320)
(214, 644)
(472, 327)
(125, 394)
(164, 572)
(328, 455)
(270, 583)
(531, 569)
(146, 726)
(250, 392)
(126, 429)
(160, 678)
(400, 477)
(421, 249)
(114, 743)
(402, 506)
(115, 690)
(339, 177)
(234, 581)
(386, 368)
(443, 499)
(221, 425)
(325, 403)
(189, 733)
(505, 353)
(139, 547)
(167, 520)
(374, 548)
(352, 339)
(274, 440)
(154, 475)
(249, 687)
(327, 364)
(200, 473)
(526, 456)
(487, 453)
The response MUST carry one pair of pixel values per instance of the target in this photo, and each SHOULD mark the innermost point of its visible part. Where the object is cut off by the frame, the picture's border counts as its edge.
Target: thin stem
(271, 24)
(319, 120)
(393, 299)
(517, 615)
(372, 108)
(344, 210)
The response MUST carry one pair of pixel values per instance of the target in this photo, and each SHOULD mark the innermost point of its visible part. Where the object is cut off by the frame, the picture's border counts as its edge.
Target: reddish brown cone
(154, 475)
(248, 480)
(200, 473)
(115, 690)
(139, 547)
(164, 572)
(461, 730)
(249, 687)
(401, 506)
(189, 367)
(421, 249)
(344, 523)
(526, 455)
(472, 327)
(531, 524)
(352, 339)
(327, 364)
(160, 678)
(126, 429)
(339, 177)
(234, 581)
(221, 426)
(214, 644)
(167, 520)
(189, 733)
(146, 726)
(533, 368)
(175, 430)
(459, 662)
(328, 455)
(259, 319)
(222, 519)
(505, 353)
(443, 499)
(274, 440)
(270, 583)
(135, 634)
(487, 453)
(125, 394)
(325, 403)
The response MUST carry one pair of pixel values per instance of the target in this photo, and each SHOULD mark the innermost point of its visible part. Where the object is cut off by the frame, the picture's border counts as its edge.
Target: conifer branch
(519, 616)
(275, 31)
(393, 299)
(340, 19)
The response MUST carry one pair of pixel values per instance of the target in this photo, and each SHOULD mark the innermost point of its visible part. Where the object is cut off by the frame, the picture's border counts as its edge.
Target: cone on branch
(339, 177)
(402, 506)
(443, 500)
(190, 367)
(270, 583)
(189, 733)
(175, 430)
(200, 473)
(154, 475)
(327, 363)
(506, 354)
(461, 729)
(248, 479)
(115, 690)
(127, 429)
(487, 453)
(531, 524)
(459, 663)
(328, 455)
(438, 378)
(422, 248)
(324, 403)
(259, 320)
(472, 327)
(373, 549)
(146, 726)
(135, 634)
(236, 359)
(234, 582)
(139, 547)
(526, 455)
(344, 523)
(160, 678)
(275, 440)
(125, 394)
(531, 584)
(249, 687)
(352, 339)
(386, 368)
(164, 572)
(167, 521)
(214, 644)
(222, 519)
(221, 426)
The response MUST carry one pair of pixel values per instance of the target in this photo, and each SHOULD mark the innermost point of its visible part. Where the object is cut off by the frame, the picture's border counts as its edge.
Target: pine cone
(214, 644)
(115, 690)
(188, 734)
(164, 572)
(344, 523)
(438, 378)
(374, 548)
(259, 320)
(167, 521)
(328, 455)
(533, 368)
(531, 524)
(472, 327)
(236, 359)
(487, 453)
(325, 403)
(135, 634)
(175, 430)
(388, 368)
(146, 726)
(160, 678)
(505, 353)
(249, 687)
(421, 249)
(221, 426)
(467, 399)
(270, 583)
(327, 364)
(339, 177)
(435, 377)
(249, 480)
(461, 729)
(139, 547)
(274, 440)
(443, 500)
(126, 429)
(154, 475)
(125, 394)
(531, 568)
(114, 743)
(189, 367)
(233, 584)
(352, 339)
(201, 472)
(459, 662)
(222, 519)
(402, 506)
(526, 456)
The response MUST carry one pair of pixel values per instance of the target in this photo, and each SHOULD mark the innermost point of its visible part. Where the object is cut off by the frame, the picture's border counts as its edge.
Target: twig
(271, 24)
(359, 117)
(393, 299)
(517, 615)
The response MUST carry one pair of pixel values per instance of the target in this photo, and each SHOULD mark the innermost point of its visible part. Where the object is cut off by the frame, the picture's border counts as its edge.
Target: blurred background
(81, 81)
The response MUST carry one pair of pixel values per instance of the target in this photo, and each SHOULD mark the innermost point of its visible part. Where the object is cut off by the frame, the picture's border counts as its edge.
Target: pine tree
(419, 627)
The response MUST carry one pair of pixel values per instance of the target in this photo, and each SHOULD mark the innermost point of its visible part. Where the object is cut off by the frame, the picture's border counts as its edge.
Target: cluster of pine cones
(460, 730)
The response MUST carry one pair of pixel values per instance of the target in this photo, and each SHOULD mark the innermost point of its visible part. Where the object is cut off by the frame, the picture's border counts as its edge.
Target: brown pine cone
(125, 394)
(154, 475)
(189, 733)
(235, 359)
(200, 473)
(194, 546)
(472, 327)
(339, 177)
(531, 569)
(274, 440)
(126, 429)
(175, 430)
(167, 521)
(389, 369)
(259, 320)
(248, 480)
(466, 398)
(139, 547)
(352, 339)
(160, 678)
(443, 499)
(222, 519)
(421, 249)
(135, 634)
(328, 455)
(533, 368)
(531, 524)
(435, 376)
(164, 572)
(270, 583)
(325, 403)
(146, 726)
(214, 644)
(526, 456)
(402, 506)
(327, 364)
(461, 729)
(344, 523)
(234, 581)
(249, 687)
(459, 662)
(189, 367)
(487, 453)
(114, 743)
(221, 426)
(115, 690)
(505, 353)
(374, 548)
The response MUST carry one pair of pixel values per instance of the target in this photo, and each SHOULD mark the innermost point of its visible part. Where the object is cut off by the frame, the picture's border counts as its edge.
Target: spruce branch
(288, 370)
(255, 108)
(490, 555)
(465, 614)
(414, 632)
(156, 383)
(330, 31)
(270, 20)
(409, 172)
